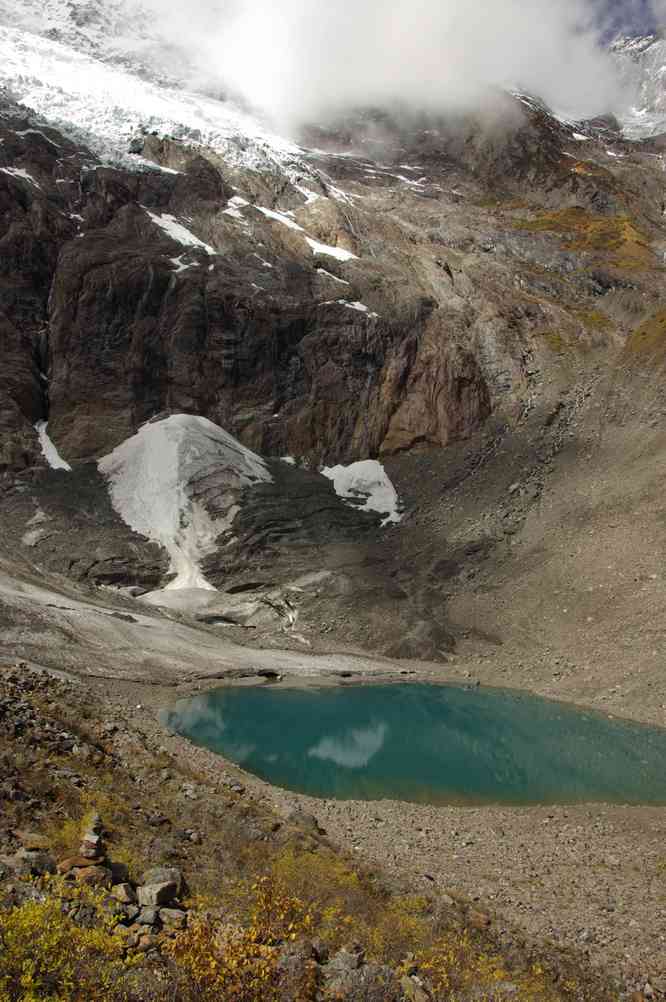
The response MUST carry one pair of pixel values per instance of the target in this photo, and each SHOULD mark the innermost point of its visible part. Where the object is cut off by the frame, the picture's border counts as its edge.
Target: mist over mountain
(300, 61)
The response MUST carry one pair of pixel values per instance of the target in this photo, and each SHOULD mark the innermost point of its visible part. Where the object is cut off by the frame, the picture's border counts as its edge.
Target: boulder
(33, 863)
(155, 895)
(166, 874)
(124, 893)
(172, 918)
(147, 916)
(93, 876)
(301, 819)
(413, 990)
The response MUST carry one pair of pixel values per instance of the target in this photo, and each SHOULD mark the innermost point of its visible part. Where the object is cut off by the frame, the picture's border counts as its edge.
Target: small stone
(94, 876)
(95, 824)
(148, 916)
(147, 942)
(131, 913)
(172, 918)
(88, 852)
(124, 893)
(77, 862)
(154, 895)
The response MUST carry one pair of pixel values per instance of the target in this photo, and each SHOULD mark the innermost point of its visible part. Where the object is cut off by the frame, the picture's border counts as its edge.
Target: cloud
(299, 61)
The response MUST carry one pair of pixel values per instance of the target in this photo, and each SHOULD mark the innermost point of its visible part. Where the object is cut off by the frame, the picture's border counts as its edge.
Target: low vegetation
(649, 337)
(616, 237)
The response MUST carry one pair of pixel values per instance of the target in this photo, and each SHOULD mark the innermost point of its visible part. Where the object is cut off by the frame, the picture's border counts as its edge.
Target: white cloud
(299, 59)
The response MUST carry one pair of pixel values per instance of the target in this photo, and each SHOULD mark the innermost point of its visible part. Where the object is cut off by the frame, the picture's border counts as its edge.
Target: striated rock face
(33, 229)
(387, 308)
(362, 322)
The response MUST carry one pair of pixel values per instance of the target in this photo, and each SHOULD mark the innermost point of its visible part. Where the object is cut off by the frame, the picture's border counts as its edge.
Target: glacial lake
(428, 744)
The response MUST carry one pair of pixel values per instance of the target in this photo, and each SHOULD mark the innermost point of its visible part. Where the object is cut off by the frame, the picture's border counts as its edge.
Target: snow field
(150, 478)
(366, 479)
(49, 451)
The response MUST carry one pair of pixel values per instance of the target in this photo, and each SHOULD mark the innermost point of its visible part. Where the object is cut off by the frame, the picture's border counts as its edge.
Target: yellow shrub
(235, 964)
(64, 837)
(234, 968)
(454, 966)
(402, 927)
(46, 957)
(276, 913)
(341, 905)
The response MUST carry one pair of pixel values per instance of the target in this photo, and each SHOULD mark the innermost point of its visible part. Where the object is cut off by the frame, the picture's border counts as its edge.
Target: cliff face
(371, 308)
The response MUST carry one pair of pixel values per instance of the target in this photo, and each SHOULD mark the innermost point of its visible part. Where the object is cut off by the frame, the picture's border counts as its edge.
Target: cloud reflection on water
(352, 750)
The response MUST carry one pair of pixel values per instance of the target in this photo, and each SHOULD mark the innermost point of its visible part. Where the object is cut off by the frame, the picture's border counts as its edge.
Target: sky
(301, 60)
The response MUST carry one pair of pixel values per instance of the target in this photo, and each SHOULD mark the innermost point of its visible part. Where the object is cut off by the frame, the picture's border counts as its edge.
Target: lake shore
(590, 877)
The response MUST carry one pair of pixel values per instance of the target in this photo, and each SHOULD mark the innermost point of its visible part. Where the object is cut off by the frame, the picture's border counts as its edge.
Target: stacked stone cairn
(145, 910)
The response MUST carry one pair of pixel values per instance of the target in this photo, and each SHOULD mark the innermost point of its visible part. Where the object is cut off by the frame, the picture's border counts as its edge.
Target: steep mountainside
(479, 303)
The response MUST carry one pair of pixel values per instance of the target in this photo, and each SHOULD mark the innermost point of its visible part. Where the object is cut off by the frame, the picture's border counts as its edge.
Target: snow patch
(23, 174)
(151, 478)
(180, 265)
(279, 217)
(367, 486)
(337, 252)
(234, 206)
(322, 271)
(581, 138)
(310, 196)
(359, 307)
(49, 451)
(37, 132)
(178, 232)
(339, 195)
(152, 166)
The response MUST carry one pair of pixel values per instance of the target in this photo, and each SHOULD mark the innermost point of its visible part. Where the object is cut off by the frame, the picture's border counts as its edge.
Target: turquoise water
(430, 744)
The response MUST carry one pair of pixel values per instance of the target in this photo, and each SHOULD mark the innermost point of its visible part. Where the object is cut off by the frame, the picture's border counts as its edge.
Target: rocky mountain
(468, 307)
